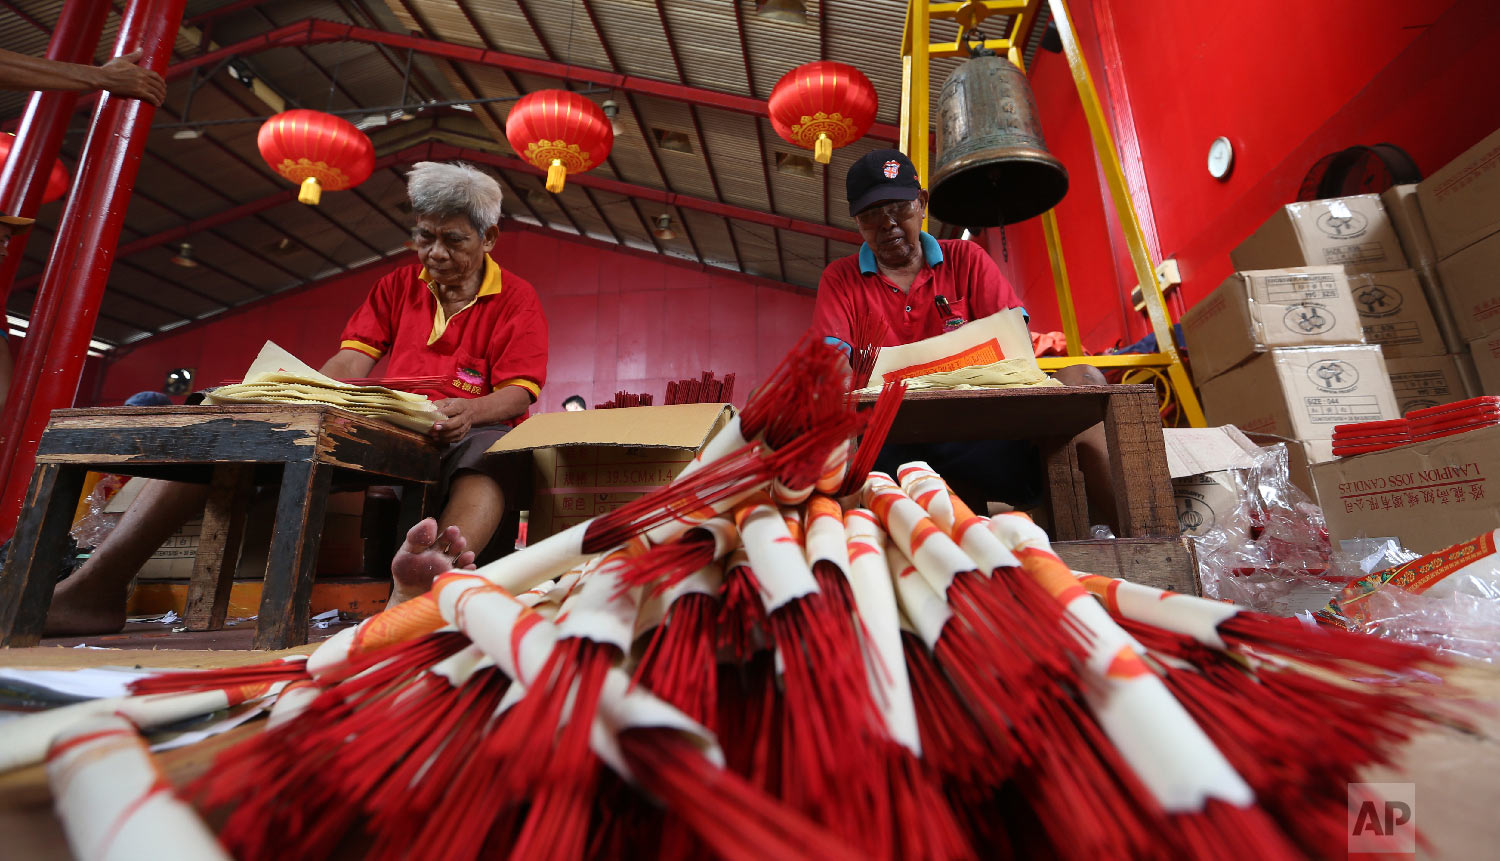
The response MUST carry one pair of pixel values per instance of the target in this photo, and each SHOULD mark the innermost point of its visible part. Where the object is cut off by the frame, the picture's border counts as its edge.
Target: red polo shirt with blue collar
(497, 340)
(956, 269)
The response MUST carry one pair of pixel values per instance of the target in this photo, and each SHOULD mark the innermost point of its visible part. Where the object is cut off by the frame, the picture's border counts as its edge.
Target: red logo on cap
(892, 168)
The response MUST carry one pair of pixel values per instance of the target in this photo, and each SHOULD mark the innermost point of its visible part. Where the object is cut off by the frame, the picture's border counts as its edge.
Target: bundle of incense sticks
(829, 683)
(705, 390)
(625, 399)
(714, 673)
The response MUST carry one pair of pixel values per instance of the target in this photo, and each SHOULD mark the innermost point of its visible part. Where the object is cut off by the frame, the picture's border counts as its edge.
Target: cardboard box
(1394, 313)
(1437, 303)
(1405, 211)
(1208, 466)
(1353, 232)
(1461, 201)
(588, 463)
(1302, 393)
(1429, 495)
(1254, 311)
(1485, 354)
(1425, 381)
(1471, 287)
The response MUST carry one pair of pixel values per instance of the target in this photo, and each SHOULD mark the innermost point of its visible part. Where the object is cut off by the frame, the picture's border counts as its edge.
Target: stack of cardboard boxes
(1460, 209)
(1291, 345)
(1437, 493)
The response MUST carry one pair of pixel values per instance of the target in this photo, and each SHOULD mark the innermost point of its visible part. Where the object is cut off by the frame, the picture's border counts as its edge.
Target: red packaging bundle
(1448, 419)
(1364, 437)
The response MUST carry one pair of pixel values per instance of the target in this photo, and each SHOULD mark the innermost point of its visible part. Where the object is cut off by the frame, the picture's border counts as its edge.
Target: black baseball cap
(884, 174)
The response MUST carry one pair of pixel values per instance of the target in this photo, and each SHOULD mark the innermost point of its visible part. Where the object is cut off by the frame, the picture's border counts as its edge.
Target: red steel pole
(84, 249)
(34, 151)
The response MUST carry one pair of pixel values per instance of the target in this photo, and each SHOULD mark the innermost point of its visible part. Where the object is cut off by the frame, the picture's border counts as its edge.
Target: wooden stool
(232, 449)
(1149, 549)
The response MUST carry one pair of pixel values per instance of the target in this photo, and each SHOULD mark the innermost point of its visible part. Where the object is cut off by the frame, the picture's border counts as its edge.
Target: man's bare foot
(80, 608)
(425, 554)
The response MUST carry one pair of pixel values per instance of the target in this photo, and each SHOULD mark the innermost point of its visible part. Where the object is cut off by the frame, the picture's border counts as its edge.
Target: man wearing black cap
(919, 286)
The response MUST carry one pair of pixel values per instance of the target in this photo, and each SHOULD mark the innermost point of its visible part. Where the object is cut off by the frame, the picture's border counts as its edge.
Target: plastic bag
(95, 525)
(1448, 600)
(1464, 622)
(1273, 554)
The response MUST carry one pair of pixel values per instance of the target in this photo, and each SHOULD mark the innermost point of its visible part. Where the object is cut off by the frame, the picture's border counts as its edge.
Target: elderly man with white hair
(459, 320)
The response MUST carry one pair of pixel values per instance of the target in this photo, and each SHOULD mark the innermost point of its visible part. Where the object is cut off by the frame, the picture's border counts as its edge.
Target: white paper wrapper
(823, 533)
(976, 541)
(115, 804)
(937, 557)
(1169, 752)
(597, 610)
(875, 597)
(775, 555)
(517, 637)
(292, 702)
(930, 491)
(622, 707)
(924, 608)
(1187, 615)
(24, 740)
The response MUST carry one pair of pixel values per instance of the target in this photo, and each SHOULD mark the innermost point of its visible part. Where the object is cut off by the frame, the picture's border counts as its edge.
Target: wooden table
(232, 449)
(1149, 548)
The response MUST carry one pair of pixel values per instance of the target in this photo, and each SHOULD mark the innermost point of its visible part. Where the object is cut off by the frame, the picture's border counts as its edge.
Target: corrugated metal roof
(714, 154)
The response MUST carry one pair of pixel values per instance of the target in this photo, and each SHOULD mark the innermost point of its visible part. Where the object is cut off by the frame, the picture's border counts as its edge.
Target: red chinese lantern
(560, 132)
(317, 151)
(823, 106)
(57, 181)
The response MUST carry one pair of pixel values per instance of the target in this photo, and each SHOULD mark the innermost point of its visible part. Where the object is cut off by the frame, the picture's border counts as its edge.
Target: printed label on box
(1344, 255)
(1292, 289)
(1406, 332)
(1343, 410)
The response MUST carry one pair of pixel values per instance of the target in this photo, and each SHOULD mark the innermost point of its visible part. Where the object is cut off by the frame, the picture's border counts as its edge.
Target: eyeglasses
(894, 211)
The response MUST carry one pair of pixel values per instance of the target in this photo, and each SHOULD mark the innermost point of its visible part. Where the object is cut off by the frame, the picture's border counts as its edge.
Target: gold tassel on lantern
(823, 149)
(310, 192)
(557, 174)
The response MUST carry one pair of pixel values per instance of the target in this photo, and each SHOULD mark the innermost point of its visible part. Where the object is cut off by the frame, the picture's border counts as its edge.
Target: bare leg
(1098, 481)
(92, 599)
(468, 520)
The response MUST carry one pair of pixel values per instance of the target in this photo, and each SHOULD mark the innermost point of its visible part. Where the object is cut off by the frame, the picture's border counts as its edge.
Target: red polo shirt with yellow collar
(497, 340)
(958, 270)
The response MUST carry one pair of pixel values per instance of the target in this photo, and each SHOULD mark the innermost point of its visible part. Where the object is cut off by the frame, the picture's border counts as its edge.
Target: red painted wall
(1286, 82)
(617, 320)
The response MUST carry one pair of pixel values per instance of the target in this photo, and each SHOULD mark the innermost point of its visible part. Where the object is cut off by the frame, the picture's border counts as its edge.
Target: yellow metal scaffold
(918, 49)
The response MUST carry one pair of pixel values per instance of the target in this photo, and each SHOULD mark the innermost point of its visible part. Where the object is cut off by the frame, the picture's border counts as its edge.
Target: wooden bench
(304, 449)
(1149, 549)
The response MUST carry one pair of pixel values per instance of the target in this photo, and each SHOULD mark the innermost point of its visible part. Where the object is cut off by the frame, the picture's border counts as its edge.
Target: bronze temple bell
(993, 167)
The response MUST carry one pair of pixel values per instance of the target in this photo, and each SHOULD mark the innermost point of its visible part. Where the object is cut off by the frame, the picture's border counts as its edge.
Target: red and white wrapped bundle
(114, 802)
(774, 554)
(935, 555)
(931, 493)
(1154, 734)
(27, 738)
(875, 596)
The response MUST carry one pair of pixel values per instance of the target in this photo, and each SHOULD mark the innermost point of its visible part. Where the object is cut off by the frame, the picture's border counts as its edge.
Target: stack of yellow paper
(278, 377)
